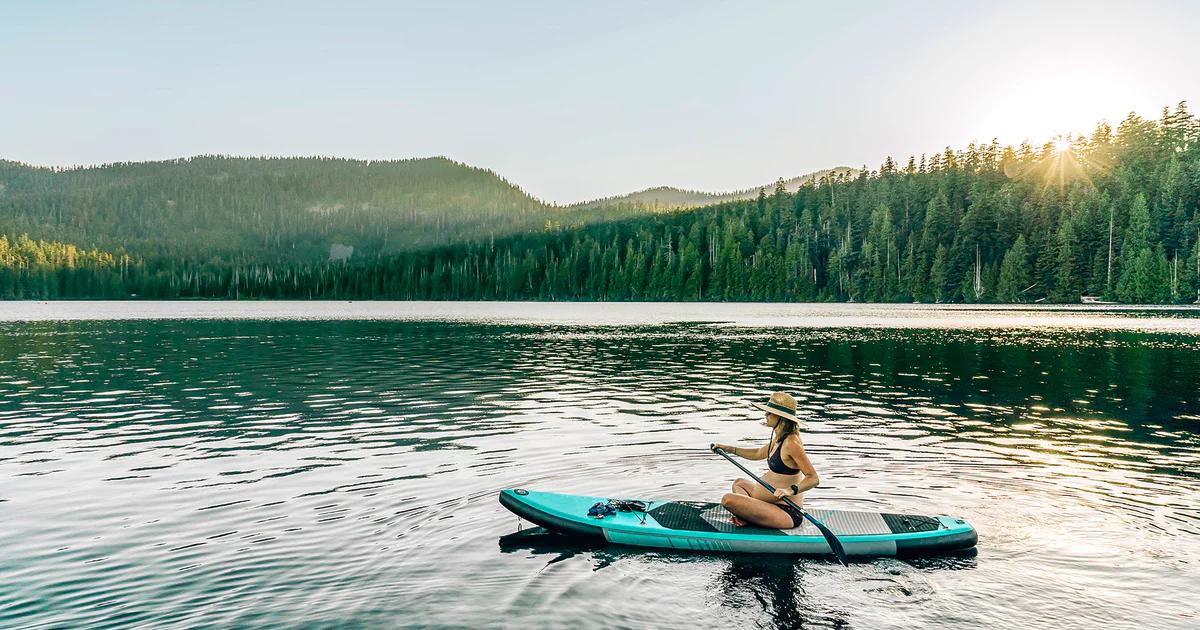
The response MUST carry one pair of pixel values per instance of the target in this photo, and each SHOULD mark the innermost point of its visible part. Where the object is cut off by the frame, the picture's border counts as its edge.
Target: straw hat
(781, 404)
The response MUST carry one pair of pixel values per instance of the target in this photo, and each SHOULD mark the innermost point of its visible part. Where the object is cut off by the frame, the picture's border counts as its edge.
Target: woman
(790, 471)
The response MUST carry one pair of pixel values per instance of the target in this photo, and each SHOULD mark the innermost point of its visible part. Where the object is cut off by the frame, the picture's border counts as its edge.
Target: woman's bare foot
(737, 521)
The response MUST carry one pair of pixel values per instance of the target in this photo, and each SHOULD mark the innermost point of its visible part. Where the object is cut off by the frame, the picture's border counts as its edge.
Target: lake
(328, 464)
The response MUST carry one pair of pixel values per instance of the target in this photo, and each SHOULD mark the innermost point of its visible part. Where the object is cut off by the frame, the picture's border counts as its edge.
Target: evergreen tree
(1138, 264)
(1066, 285)
(1014, 273)
(938, 278)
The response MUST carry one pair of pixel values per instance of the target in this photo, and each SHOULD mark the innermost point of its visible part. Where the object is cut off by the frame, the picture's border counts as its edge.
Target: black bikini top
(775, 463)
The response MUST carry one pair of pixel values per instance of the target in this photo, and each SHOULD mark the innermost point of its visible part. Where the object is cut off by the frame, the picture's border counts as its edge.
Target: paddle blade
(834, 543)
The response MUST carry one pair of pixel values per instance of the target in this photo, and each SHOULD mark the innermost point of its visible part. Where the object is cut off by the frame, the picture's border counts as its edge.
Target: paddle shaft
(834, 544)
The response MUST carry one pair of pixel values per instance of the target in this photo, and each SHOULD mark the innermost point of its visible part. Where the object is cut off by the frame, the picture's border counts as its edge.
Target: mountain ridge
(670, 197)
(300, 207)
(264, 206)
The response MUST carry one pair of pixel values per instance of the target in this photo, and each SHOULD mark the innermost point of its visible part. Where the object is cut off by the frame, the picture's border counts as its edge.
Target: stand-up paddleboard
(703, 526)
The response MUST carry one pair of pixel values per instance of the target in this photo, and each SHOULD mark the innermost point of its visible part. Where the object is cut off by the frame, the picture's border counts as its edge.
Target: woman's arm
(793, 447)
(745, 453)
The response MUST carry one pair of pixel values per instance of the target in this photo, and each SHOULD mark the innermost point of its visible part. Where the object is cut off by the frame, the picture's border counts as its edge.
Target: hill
(668, 198)
(265, 208)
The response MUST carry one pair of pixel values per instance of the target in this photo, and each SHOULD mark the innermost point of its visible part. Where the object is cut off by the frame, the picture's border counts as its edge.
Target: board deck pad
(712, 517)
(906, 523)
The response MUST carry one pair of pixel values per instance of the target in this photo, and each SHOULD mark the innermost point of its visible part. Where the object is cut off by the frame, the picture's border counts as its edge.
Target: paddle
(834, 543)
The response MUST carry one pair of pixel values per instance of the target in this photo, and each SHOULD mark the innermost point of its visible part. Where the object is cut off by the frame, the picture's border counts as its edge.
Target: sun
(1057, 166)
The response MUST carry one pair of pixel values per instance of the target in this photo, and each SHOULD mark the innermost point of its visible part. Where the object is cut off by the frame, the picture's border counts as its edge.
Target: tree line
(1111, 215)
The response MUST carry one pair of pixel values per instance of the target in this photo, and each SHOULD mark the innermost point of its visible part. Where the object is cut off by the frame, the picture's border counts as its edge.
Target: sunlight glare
(1057, 167)
(1052, 105)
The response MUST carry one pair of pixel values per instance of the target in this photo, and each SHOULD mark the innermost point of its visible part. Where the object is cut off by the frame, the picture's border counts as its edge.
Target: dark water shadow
(771, 587)
(774, 586)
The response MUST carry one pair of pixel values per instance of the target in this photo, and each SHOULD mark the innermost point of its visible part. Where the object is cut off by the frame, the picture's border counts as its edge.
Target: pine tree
(1139, 264)
(1066, 287)
(1014, 273)
(938, 278)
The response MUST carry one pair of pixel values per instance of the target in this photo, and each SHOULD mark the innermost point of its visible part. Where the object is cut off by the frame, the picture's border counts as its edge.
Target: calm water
(264, 464)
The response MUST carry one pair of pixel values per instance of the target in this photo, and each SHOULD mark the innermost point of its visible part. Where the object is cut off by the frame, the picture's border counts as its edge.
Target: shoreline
(1173, 318)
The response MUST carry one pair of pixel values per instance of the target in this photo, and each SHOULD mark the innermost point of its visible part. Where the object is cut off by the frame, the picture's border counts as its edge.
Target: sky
(574, 100)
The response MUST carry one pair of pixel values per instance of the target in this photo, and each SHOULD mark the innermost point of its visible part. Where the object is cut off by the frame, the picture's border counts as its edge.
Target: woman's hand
(783, 492)
(724, 447)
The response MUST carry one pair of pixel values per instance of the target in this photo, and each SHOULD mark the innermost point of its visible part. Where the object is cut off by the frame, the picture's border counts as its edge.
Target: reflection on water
(268, 472)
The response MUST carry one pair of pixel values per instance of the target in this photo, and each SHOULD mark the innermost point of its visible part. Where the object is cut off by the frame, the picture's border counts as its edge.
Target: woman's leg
(755, 512)
(743, 486)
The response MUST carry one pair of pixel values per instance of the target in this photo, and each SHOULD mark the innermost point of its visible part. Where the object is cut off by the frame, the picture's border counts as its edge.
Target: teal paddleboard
(702, 526)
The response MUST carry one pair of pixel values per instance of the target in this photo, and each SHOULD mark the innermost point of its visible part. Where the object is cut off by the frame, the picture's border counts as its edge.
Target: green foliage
(1014, 281)
(938, 276)
(1143, 266)
(40, 269)
(1066, 280)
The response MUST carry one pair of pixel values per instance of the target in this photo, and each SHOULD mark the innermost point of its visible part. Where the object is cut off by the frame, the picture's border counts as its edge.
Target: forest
(271, 209)
(1111, 215)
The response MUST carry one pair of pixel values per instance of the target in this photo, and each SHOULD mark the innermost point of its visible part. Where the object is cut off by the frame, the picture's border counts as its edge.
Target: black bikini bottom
(797, 515)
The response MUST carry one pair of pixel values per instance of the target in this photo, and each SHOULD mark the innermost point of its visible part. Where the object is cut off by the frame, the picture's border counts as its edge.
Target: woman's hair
(785, 428)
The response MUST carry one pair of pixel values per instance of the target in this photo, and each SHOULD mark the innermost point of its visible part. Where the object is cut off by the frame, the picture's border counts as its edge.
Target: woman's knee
(729, 499)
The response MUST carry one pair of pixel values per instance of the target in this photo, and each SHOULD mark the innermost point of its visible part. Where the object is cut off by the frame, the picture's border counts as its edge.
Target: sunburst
(1062, 161)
